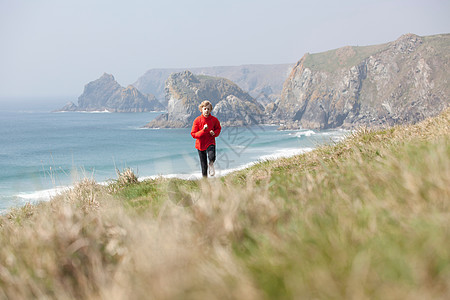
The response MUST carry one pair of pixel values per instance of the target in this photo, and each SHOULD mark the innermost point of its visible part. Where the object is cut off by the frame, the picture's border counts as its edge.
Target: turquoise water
(41, 152)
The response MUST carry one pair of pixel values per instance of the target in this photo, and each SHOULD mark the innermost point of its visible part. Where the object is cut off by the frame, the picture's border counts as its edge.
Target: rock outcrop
(263, 82)
(185, 91)
(70, 106)
(105, 94)
(400, 82)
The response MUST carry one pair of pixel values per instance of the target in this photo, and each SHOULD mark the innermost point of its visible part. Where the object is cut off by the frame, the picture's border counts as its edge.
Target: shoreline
(45, 195)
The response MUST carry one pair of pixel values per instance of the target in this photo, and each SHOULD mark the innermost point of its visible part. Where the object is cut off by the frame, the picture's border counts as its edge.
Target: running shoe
(212, 171)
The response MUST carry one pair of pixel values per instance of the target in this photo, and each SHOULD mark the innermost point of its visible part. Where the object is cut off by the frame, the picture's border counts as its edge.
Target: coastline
(23, 198)
(46, 153)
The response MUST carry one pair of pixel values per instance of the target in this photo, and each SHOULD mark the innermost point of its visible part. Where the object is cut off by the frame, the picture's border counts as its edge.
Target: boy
(205, 129)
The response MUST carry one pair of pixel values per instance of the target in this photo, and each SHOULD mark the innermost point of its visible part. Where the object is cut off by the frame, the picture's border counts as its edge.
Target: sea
(43, 153)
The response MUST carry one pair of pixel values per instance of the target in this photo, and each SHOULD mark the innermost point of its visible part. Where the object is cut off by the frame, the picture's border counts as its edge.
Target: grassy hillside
(345, 57)
(349, 56)
(365, 218)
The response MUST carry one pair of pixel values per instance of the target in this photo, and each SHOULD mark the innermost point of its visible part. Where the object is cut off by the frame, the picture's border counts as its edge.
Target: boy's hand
(205, 127)
(212, 133)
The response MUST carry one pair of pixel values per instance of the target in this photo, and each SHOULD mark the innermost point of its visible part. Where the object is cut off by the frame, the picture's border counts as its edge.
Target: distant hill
(262, 82)
(106, 94)
(185, 91)
(404, 81)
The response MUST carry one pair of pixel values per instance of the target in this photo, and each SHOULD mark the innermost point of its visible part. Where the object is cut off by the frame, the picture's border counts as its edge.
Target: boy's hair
(205, 103)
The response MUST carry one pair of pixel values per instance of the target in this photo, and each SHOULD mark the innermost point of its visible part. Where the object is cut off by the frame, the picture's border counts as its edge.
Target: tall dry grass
(367, 218)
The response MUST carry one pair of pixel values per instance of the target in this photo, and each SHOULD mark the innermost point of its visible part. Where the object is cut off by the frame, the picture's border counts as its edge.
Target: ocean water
(42, 153)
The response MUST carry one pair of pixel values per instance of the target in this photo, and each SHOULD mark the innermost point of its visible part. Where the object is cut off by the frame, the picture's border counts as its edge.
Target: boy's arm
(218, 128)
(196, 132)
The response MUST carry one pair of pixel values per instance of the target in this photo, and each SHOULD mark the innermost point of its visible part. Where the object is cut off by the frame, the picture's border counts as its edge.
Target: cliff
(262, 82)
(106, 94)
(404, 81)
(185, 91)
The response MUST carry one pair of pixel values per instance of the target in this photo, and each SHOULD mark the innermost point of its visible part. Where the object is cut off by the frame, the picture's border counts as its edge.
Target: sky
(52, 48)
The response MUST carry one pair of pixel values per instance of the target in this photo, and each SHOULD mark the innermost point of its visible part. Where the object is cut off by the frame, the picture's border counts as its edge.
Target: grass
(366, 218)
(345, 57)
(349, 56)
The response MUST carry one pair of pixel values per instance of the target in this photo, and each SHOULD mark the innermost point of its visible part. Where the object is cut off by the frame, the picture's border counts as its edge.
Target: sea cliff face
(404, 81)
(106, 94)
(185, 91)
(263, 82)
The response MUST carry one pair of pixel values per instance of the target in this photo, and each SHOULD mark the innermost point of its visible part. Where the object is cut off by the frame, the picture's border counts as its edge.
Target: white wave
(83, 111)
(97, 112)
(188, 176)
(43, 195)
(281, 153)
(140, 128)
(337, 135)
(239, 147)
(197, 175)
(303, 133)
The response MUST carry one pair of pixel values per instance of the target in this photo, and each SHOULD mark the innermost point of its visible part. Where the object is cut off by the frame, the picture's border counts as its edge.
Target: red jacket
(204, 138)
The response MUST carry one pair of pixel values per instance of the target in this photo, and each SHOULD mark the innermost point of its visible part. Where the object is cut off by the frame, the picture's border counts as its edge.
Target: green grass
(366, 218)
(439, 41)
(345, 57)
(350, 56)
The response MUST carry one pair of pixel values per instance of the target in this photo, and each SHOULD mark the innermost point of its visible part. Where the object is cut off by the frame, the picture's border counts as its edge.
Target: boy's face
(206, 111)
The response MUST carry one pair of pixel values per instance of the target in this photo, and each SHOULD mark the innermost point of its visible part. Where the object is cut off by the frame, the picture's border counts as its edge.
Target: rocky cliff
(403, 81)
(106, 94)
(262, 82)
(185, 91)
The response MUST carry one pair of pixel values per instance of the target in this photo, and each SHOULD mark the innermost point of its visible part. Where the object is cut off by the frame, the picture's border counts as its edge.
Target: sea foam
(303, 133)
(43, 195)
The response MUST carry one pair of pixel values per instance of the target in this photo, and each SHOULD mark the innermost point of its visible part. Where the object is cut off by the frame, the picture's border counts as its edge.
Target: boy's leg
(211, 153)
(212, 158)
(203, 162)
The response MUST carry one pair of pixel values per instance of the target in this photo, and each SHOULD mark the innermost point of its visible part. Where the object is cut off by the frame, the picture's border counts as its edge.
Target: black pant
(211, 152)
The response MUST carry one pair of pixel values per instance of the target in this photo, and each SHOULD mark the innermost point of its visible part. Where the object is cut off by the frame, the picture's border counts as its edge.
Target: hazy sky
(52, 48)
